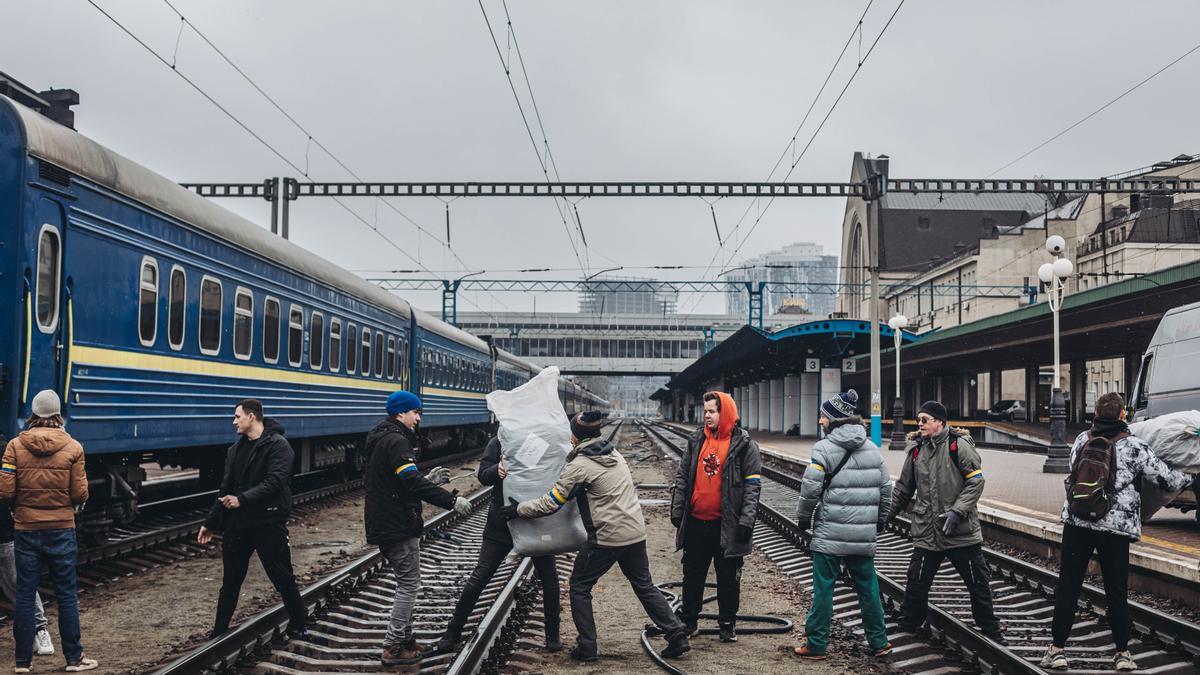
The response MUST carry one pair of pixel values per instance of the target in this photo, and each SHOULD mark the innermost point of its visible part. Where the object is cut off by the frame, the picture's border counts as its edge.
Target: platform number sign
(812, 365)
(848, 365)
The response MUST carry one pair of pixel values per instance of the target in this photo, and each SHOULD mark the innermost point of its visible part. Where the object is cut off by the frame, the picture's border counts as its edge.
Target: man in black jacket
(497, 542)
(252, 508)
(395, 490)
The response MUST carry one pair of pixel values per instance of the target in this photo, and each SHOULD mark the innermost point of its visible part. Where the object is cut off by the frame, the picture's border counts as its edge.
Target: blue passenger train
(152, 311)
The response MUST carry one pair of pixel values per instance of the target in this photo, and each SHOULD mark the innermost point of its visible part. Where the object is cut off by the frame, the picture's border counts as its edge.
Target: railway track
(351, 608)
(1024, 601)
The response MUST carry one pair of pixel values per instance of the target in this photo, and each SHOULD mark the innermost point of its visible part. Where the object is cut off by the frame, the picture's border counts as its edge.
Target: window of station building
(210, 316)
(365, 346)
(351, 349)
(379, 354)
(176, 307)
(391, 357)
(295, 335)
(46, 294)
(148, 302)
(335, 345)
(271, 330)
(243, 323)
(316, 340)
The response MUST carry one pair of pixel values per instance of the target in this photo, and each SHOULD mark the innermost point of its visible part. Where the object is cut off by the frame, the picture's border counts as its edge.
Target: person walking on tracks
(395, 490)
(252, 508)
(43, 476)
(942, 479)
(1103, 513)
(846, 493)
(713, 505)
(598, 477)
(497, 542)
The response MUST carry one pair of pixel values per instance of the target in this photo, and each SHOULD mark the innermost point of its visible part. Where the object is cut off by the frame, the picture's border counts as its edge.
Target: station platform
(1020, 498)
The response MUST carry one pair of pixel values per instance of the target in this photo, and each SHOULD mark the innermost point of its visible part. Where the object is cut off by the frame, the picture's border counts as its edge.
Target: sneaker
(84, 663)
(728, 633)
(1055, 659)
(400, 655)
(808, 655)
(445, 645)
(884, 650)
(297, 634)
(578, 654)
(22, 669)
(42, 645)
(1124, 661)
(677, 646)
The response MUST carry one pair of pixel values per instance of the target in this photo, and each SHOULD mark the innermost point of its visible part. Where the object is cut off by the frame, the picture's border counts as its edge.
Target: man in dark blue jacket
(497, 542)
(395, 490)
(252, 508)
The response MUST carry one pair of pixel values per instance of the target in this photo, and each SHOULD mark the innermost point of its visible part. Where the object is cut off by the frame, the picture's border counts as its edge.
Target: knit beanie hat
(935, 410)
(587, 424)
(840, 406)
(47, 404)
(401, 402)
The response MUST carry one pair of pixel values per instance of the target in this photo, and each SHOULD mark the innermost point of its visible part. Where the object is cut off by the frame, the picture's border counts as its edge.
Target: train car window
(391, 357)
(295, 335)
(379, 354)
(401, 363)
(403, 366)
(443, 375)
(148, 302)
(335, 345)
(49, 261)
(316, 340)
(210, 315)
(176, 307)
(271, 330)
(243, 323)
(366, 351)
(351, 349)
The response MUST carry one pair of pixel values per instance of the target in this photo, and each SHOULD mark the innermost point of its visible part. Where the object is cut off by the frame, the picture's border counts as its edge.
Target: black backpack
(1090, 486)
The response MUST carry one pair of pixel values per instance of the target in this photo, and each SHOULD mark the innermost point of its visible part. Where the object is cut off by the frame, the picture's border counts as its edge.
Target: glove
(953, 520)
(509, 512)
(676, 522)
(439, 476)
(744, 533)
(881, 527)
(462, 505)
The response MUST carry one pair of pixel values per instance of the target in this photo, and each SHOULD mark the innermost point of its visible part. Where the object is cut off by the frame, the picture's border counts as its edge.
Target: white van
(1169, 378)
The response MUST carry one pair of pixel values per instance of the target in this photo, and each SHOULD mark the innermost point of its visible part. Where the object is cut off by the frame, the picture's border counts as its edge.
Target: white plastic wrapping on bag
(1172, 438)
(535, 437)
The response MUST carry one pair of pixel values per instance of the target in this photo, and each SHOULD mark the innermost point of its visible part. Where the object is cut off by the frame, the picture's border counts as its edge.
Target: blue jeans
(55, 548)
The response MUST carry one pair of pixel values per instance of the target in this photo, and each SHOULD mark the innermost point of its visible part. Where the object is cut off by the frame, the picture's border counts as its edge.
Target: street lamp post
(897, 323)
(1055, 274)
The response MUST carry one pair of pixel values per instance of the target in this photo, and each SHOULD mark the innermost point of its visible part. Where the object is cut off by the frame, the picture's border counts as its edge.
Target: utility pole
(876, 187)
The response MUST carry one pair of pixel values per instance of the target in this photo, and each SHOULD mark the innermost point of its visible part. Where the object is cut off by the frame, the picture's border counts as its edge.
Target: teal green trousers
(862, 576)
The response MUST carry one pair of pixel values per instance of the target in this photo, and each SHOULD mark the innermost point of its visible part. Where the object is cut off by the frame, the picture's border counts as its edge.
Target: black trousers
(1113, 551)
(490, 556)
(271, 542)
(702, 547)
(968, 561)
(591, 564)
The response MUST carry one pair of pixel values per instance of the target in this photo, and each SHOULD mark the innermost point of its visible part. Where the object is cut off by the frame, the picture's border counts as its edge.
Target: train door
(47, 306)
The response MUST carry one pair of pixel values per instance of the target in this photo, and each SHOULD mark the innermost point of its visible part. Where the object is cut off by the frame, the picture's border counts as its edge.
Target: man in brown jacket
(43, 476)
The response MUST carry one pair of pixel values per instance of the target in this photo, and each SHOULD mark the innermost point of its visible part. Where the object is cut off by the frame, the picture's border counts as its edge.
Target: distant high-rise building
(799, 263)
(627, 295)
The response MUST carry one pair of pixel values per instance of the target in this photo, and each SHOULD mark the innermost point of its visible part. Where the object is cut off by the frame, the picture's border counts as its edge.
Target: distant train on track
(152, 311)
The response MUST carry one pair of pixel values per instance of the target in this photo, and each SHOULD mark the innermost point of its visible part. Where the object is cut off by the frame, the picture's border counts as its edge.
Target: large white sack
(1172, 438)
(535, 437)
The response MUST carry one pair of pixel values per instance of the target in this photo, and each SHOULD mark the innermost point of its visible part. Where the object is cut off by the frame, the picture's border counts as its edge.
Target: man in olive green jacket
(942, 480)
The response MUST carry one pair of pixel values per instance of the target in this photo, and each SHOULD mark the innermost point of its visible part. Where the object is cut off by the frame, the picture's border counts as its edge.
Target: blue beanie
(402, 401)
(841, 406)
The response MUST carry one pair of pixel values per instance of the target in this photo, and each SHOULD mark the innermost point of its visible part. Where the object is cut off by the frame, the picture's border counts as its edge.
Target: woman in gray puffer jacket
(846, 515)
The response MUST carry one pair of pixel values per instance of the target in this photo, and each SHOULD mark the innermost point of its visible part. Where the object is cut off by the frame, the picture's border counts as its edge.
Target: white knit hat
(47, 403)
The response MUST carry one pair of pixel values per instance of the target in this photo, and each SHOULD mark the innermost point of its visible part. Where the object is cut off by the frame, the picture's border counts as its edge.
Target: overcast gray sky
(626, 91)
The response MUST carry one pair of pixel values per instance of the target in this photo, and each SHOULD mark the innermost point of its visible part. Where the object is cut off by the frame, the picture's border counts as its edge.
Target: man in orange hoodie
(713, 506)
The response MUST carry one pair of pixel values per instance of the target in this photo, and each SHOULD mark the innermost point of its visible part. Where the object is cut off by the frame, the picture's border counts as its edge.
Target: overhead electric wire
(256, 136)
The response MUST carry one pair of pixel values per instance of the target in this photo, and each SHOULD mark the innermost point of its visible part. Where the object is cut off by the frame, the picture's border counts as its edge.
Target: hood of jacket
(272, 426)
(44, 441)
(597, 449)
(848, 436)
(727, 420)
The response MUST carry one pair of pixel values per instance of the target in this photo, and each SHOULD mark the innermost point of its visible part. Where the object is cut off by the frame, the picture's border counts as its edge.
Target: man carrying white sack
(597, 476)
